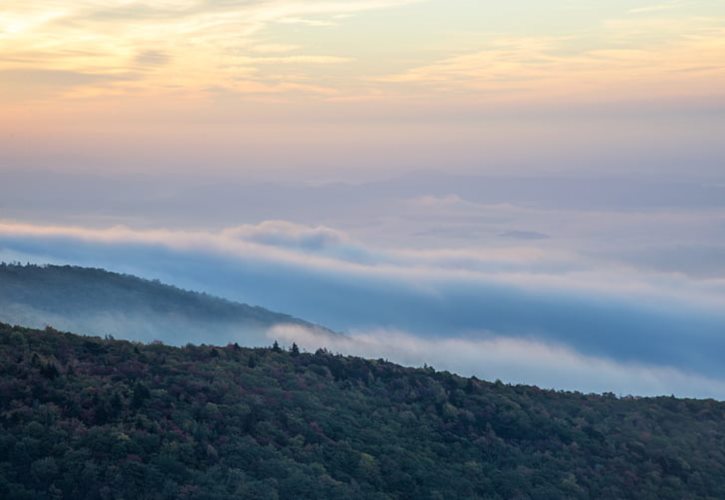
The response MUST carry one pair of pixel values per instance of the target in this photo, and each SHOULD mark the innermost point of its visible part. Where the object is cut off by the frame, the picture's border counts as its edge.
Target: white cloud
(674, 4)
(512, 360)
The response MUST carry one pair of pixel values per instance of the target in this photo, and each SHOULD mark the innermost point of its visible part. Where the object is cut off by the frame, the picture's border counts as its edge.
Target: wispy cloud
(659, 7)
(633, 60)
(20, 84)
(650, 55)
(197, 40)
(295, 59)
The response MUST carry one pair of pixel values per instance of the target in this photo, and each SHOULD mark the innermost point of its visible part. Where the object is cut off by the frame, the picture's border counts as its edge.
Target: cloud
(306, 22)
(510, 360)
(39, 83)
(674, 4)
(631, 60)
(195, 43)
(139, 325)
(288, 235)
(295, 59)
(609, 313)
(204, 41)
(151, 58)
(274, 48)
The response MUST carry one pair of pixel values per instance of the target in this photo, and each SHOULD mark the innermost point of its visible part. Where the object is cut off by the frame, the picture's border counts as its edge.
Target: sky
(350, 89)
(530, 191)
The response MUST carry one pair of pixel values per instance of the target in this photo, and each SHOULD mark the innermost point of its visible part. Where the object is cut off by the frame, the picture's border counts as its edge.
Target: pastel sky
(296, 87)
(525, 190)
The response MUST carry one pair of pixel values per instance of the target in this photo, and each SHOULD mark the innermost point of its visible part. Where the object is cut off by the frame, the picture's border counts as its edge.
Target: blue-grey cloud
(673, 324)
(287, 234)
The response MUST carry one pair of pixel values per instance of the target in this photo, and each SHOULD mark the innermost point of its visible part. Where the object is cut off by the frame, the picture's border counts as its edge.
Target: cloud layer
(513, 360)
(669, 327)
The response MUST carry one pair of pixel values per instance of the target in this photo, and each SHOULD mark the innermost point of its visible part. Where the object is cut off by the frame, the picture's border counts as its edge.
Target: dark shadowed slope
(90, 418)
(99, 302)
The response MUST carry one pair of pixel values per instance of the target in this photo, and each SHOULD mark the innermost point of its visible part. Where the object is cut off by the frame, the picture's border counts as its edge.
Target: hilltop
(99, 302)
(84, 417)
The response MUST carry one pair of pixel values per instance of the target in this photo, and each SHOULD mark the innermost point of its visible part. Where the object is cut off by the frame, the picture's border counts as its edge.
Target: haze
(532, 191)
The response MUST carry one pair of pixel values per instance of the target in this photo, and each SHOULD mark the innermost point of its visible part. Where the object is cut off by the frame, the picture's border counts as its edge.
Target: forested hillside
(84, 417)
(98, 302)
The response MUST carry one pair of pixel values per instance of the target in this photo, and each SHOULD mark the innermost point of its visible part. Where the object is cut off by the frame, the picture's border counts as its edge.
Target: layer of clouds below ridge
(545, 315)
(510, 359)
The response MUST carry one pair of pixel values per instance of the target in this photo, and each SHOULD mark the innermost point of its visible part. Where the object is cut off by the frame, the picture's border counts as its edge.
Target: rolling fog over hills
(529, 311)
(527, 192)
(98, 302)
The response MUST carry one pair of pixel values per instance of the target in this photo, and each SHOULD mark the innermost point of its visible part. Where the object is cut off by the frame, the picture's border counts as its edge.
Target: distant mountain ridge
(99, 302)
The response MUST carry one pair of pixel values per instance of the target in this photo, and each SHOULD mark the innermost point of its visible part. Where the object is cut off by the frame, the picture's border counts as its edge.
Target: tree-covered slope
(98, 302)
(84, 417)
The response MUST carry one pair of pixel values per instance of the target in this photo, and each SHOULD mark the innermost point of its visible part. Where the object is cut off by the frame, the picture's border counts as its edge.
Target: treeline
(84, 417)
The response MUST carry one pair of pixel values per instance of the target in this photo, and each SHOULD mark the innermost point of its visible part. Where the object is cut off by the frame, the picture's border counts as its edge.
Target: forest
(98, 418)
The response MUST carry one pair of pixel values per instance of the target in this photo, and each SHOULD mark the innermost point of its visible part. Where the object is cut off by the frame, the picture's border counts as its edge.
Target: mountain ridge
(100, 302)
(85, 417)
